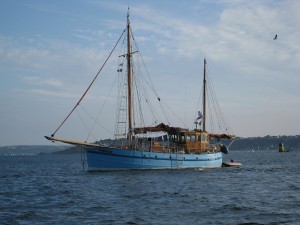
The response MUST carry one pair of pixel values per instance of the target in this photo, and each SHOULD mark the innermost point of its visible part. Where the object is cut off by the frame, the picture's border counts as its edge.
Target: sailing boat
(151, 147)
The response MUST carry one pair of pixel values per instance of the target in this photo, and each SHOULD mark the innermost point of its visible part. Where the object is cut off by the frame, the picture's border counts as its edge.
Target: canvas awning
(160, 127)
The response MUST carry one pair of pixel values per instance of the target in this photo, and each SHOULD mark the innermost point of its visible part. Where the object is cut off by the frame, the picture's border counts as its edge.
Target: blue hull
(106, 158)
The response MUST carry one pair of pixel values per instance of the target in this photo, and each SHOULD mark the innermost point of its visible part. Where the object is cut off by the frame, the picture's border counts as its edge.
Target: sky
(51, 50)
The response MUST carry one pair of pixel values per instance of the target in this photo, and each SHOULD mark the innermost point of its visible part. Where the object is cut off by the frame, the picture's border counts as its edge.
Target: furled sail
(160, 127)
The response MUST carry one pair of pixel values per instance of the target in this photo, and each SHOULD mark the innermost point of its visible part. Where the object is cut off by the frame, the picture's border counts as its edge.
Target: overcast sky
(51, 50)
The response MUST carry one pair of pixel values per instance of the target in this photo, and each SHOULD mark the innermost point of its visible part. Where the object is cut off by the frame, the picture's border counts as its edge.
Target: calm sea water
(53, 189)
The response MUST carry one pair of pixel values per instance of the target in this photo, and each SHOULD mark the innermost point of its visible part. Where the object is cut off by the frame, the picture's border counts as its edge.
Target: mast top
(128, 15)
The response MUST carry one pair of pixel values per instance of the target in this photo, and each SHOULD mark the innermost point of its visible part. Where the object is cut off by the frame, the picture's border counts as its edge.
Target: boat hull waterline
(107, 158)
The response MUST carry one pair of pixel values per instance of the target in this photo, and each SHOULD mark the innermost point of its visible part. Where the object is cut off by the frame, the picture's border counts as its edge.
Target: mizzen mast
(204, 97)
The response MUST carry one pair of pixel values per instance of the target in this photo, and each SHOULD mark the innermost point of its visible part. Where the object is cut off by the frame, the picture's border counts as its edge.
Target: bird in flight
(275, 38)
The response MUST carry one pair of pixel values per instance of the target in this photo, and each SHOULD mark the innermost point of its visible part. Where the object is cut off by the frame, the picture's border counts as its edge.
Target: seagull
(275, 38)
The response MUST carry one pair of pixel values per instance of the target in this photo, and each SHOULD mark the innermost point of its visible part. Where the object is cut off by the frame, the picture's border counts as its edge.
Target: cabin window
(174, 138)
(193, 138)
(182, 138)
(188, 138)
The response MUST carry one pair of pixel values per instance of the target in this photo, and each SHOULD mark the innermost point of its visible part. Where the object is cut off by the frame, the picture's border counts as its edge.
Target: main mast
(129, 80)
(204, 97)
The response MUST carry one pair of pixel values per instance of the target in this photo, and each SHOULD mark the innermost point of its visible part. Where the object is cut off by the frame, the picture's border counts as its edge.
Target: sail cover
(160, 127)
(221, 136)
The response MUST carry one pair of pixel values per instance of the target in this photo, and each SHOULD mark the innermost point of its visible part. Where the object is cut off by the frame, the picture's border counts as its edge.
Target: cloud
(47, 93)
(242, 32)
(45, 55)
(89, 35)
(34, 80)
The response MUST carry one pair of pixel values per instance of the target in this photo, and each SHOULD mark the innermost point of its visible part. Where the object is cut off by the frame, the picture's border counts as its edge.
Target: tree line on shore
(290, 143)
(264, 143)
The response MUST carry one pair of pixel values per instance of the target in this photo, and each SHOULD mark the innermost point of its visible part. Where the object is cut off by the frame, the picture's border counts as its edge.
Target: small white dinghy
(231, 164)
